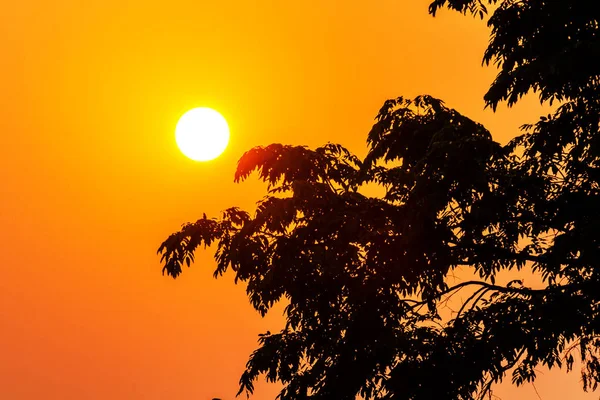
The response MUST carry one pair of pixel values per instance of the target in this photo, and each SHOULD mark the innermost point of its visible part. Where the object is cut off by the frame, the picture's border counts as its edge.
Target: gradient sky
(92, 181)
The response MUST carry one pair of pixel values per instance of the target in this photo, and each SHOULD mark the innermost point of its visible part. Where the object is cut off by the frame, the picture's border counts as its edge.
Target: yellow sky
(92, 181)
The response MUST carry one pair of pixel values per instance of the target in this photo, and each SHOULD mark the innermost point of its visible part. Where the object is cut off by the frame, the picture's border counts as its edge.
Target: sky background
(92, 180)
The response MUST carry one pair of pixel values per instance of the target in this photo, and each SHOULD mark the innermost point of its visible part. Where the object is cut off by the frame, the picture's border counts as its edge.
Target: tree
(365, 278)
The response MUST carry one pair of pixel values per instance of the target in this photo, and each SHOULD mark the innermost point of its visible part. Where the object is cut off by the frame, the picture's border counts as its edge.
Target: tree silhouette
(365, 277)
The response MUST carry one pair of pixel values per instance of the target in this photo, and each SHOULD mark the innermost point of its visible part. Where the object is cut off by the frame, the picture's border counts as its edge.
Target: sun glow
(202, 134)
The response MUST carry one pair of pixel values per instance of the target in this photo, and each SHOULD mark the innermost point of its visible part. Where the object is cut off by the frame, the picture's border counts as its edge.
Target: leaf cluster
(365, 278)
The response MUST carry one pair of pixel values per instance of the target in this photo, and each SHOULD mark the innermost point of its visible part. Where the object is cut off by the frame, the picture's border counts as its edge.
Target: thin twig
(536, 391)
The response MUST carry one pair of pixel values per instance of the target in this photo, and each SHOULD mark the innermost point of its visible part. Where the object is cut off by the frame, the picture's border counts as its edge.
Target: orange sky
(92, 180)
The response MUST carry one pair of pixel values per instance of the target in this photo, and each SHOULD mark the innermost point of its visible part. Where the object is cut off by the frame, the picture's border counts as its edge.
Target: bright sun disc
(202, 134)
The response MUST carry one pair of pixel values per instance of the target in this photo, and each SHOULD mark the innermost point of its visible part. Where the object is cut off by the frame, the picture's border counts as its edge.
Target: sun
(202, 134)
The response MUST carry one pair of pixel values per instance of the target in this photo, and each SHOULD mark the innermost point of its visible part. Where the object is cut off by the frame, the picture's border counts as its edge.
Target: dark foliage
(364, 278)
(547, 46)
